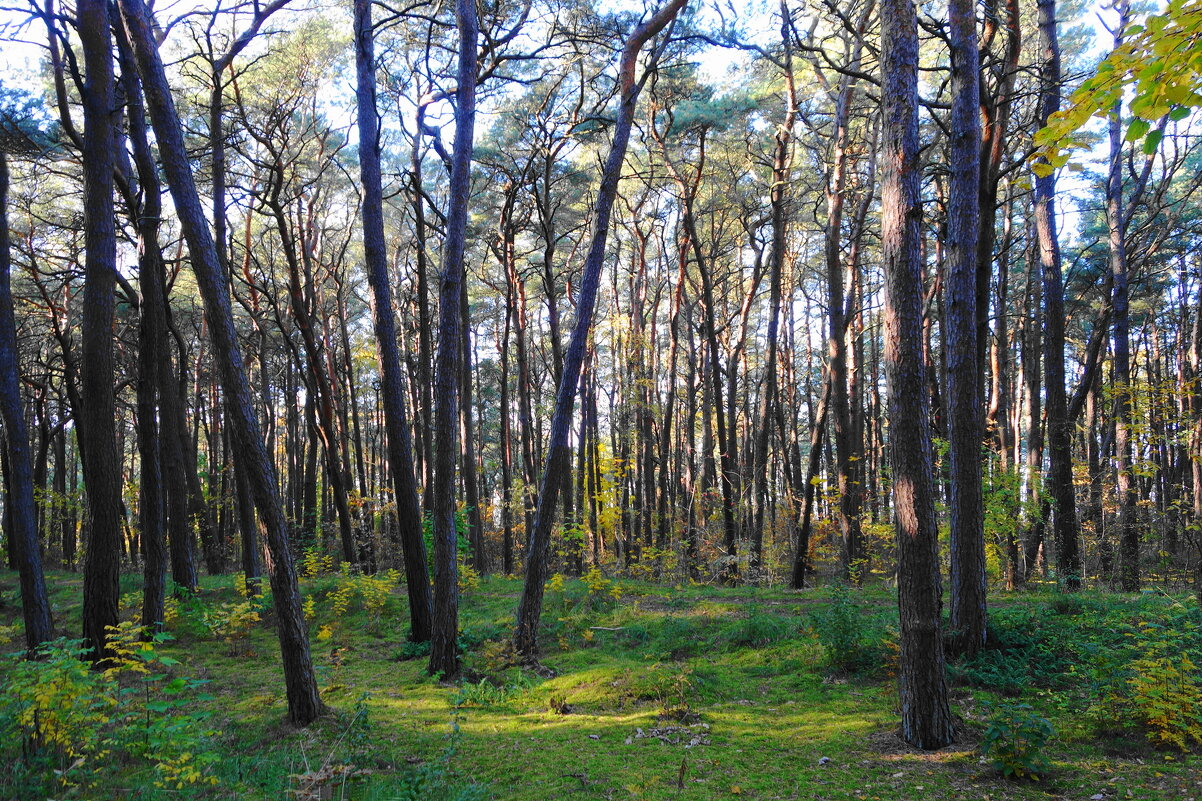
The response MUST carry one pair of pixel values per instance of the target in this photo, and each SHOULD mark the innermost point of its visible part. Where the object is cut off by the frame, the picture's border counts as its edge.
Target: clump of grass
(759, 629)
(680, 637)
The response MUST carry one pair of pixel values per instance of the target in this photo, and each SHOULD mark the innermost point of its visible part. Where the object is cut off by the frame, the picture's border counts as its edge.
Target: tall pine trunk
(304, 702)
(926, 716)
(97, 416)
(1059, 433)
(444, 651)
(22, 522)
(392, 390)
(964, 370)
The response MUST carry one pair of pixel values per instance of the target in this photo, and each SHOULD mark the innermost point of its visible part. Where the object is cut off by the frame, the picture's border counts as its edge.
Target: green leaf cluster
(1014, 741)
(65, 728)
(1160, 60)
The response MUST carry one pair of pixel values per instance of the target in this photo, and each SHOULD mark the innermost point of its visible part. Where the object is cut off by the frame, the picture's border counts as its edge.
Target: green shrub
(65, 727)
(490, 693)
(1158, 689)
(854, 641)
(1014, 741)
(1026, 648)
(412, 650)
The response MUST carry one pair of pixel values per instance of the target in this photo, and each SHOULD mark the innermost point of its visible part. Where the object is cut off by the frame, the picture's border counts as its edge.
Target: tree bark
(97, 417)
(444, 651)
(152, 331)
(965, 389)
(926, 717)
(392, 390)
(22, 519)
(1128, 529)
(304, 702)
(782, 162)
(1060, 471)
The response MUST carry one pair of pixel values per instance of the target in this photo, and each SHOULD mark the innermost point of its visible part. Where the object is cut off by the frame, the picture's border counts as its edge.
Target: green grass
(744, 669)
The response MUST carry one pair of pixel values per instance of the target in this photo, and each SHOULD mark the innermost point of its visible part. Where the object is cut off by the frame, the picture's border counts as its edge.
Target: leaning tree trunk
(304, 702)
(444, 649)
(525, 638)
(926, 716)
(152, 330)
(392, 390)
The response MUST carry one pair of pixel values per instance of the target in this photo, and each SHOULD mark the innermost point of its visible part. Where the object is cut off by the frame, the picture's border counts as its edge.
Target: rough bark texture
(964, 374)
(444, 650)
(152, 330)
(392, 390)
(1060, 470)
(97, 417)
(304, 702)
(926, 717)
(525, 638)
(1128, 530)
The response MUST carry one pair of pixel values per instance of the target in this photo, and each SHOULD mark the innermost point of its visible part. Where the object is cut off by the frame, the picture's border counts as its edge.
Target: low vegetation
(650, 692)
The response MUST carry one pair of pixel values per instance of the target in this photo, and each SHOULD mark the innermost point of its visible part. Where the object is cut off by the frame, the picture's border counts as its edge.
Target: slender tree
(964, 374)
(97, 422)
(1059, 434)
(392, 390)
(22, 516)
(525, 637)
(444, 650)
(152, 508)
(304, 702)
(1128, 528)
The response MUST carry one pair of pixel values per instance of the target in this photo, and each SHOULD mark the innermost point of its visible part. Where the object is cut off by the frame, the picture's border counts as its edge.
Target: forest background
(786, 295)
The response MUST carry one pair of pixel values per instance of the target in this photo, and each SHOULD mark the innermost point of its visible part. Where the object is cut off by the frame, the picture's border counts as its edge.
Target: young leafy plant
(1015, 739)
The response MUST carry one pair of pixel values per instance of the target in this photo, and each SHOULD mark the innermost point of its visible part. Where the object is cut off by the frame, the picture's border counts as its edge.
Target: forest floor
(652, 692)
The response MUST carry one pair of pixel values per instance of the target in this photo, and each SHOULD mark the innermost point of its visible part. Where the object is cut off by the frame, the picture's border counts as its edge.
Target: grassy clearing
(658, 693)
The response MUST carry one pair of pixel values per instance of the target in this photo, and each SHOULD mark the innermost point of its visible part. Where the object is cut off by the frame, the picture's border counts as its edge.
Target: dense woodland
(764, 295)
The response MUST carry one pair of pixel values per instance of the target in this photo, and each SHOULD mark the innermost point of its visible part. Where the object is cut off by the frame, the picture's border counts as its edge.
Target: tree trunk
(782, 162)
(97, 417)
(851, 554)
(530, 607)
(304, 702)
(392, 390)
(22, 522)
(471, 483)
(1128, 529)
(444, 651)
(1060, 471)
(965, 390)
(152, 332)
(926, 717)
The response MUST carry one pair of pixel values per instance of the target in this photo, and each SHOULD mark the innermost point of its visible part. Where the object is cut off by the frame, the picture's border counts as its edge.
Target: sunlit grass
(744, 666)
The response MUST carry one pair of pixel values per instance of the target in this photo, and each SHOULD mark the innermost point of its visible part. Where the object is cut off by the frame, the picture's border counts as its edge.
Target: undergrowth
(651, 692)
